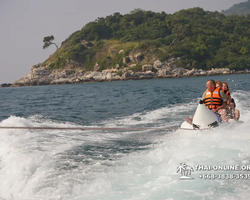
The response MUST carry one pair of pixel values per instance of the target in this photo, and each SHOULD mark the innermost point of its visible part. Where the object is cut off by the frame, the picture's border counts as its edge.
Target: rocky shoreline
(42, 75)
(5, 85)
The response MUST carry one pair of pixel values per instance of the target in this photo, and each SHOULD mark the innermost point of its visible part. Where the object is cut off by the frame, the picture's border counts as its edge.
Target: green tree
(48, 41)
(202, 39)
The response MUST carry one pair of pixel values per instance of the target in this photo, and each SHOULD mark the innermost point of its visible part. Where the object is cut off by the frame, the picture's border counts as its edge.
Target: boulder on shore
(42, 75)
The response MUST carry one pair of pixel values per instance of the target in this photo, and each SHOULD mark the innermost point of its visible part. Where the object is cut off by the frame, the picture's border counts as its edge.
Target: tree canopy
(48, 41)
(202, 39)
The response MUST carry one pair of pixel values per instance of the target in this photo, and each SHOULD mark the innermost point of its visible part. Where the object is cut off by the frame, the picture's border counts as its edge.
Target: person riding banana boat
(231, 105)
(216, 100)
(232, 113)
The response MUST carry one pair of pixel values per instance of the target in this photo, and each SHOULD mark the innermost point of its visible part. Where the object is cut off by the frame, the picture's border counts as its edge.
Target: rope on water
(96, 128)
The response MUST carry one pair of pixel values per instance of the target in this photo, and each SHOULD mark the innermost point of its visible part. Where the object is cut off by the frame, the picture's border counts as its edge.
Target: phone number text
(224, 176)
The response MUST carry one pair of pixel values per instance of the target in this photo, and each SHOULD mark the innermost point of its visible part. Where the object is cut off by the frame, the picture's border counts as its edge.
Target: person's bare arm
(224, 104)
(228, 99)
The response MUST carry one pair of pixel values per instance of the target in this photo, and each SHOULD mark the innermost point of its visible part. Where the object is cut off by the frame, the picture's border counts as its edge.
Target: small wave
(58, 164)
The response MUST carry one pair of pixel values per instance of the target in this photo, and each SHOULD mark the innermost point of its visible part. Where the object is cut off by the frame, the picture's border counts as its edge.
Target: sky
(24, 24)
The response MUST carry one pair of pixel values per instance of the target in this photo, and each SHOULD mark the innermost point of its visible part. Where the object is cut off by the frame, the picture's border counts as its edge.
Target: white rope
(97, 128)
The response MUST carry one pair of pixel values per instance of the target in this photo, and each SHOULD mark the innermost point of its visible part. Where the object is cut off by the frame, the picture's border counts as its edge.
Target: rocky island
(40, 75)
(147, 45)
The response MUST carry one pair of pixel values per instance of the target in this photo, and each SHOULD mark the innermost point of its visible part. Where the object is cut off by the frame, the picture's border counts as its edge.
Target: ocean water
(119, 165)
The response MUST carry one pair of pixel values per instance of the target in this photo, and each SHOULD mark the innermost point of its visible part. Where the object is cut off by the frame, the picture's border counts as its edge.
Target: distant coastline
(40, 75)
(146, 45)
(5, 85)
(131, 78)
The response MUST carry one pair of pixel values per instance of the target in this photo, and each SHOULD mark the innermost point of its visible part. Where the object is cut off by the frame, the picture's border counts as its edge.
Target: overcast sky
(24, 24)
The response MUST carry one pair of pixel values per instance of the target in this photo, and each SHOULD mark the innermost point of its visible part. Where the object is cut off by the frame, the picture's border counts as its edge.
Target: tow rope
(96, 128)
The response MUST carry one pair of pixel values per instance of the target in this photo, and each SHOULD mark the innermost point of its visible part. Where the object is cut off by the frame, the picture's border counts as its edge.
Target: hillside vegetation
(238, 9)
(201, 39)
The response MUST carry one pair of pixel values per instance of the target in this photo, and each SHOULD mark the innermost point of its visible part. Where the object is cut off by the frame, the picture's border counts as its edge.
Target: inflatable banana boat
(203, 119)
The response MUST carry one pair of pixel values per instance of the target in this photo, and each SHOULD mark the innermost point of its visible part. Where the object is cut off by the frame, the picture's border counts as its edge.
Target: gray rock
(157, 64)
(126, 75)
(69, 72)
(121, 51)
(117, 78)
(179, 71)
(147, 67)
(60, 81)
(96, 67)
(161, 73)
(98, 76)
(44, 81)
(132, 66)
(136, 57)
(117, 66)
(148, 75)
(41, 72)
(109, 76)
(191, 72)
(203, 73)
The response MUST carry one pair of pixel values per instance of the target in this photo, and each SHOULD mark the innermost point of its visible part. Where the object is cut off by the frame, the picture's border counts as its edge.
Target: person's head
(210, 85)
(219, 84)
(225, 86)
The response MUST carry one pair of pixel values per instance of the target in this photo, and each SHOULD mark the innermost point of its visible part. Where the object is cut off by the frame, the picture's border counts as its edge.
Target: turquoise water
(63, 164)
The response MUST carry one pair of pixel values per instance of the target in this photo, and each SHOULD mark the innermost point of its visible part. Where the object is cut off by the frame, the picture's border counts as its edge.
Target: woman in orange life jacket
(228, 109)
(215, 99)
(233, 113)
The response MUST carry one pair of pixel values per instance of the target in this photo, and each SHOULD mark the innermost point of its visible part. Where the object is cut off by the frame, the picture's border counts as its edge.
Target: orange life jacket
(226, 92)
(213, 99)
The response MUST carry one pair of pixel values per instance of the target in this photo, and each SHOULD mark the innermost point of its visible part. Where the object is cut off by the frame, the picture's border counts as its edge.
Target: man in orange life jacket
(215, 99)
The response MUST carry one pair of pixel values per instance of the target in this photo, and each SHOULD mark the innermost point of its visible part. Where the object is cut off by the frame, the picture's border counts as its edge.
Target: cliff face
(40, 75)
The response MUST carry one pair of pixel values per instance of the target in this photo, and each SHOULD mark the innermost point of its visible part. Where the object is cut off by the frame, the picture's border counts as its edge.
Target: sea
(141, 161)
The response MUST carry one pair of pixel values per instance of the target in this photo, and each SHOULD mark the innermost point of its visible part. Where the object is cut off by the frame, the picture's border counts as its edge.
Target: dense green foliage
(202, 39)
(238, 9)
(48, 41)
